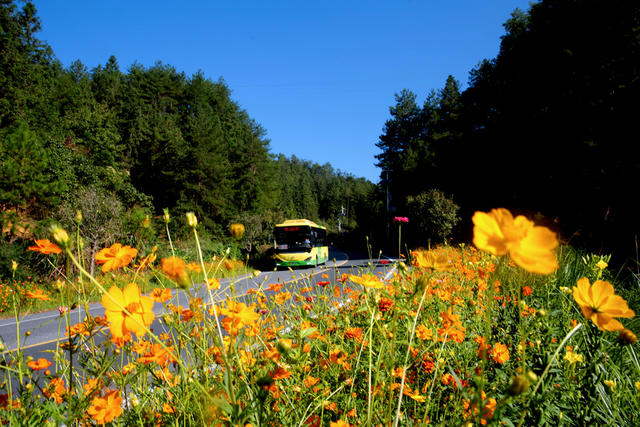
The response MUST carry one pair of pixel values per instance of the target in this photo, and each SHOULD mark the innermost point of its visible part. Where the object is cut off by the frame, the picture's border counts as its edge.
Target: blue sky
(319, 76)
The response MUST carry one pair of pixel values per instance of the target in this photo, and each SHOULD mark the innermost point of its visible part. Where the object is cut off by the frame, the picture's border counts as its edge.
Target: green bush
(433, 215)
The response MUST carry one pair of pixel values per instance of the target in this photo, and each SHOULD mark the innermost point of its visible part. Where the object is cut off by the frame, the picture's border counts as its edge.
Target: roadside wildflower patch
(508, 331)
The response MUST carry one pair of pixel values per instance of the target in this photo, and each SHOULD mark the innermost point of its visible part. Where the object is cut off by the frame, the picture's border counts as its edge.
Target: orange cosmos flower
(279, 373)
(175, 269)
(159, 355)
(106, 408)
(353, 333)
(238, 315)
(385, 304)
(44, 246)
(599, 303)
(161, 295)
(424, 333)
(310, 381)
(115, 257)
(367, 280)
(275, 287)
(192, 266)
(148, 260)
(92, 386)
(281, 297)
(37, 294)
(213, 283)
(530, 246)
(55, 390)
(38, 365)
(140, 311)
(500, 353)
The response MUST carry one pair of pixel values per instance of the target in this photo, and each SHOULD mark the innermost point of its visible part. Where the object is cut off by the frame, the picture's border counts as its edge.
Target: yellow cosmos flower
(599, 303)
(367, 280)
(140, 311)
(573, 357)
(431, 260)
(530, 246)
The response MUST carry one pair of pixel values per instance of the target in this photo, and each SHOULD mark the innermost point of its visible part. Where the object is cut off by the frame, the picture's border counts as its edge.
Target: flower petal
(131, 294)
(487, 235)
(113, 300)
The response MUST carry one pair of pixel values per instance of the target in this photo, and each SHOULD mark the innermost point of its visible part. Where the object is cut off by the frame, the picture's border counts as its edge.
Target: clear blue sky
(319, 76)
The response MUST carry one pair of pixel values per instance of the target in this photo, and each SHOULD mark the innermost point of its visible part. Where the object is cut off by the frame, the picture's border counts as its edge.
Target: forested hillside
(549, 126)
(127, 144)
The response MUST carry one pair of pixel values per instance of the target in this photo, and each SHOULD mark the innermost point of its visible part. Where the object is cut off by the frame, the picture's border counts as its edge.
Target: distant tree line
(130, 144)
(549, 127)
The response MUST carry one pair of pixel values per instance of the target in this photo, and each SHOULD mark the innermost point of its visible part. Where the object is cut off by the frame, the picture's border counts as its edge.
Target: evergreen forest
(123, 146)
(547, 128)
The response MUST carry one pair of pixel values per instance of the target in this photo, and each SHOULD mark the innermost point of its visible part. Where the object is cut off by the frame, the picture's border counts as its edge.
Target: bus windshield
(294, 239)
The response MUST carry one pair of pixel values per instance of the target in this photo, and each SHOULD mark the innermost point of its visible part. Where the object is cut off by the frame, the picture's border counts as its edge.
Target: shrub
(433, 215)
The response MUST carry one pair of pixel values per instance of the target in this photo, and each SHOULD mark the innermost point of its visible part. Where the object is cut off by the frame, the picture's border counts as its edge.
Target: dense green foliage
(146, 139)
(548, 126)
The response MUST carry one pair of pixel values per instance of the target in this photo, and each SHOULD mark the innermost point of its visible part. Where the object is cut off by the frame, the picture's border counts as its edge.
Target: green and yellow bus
(300, 242)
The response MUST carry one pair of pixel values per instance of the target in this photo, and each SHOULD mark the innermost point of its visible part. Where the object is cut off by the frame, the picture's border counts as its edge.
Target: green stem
(546, 370)
(406, 357)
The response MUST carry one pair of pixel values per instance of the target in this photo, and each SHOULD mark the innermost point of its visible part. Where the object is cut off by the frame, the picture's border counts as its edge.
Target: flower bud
(78, 217)
(146, 222)
(236, 230)
(532, 377)
(14, 265)
(284, 346)
(134, 401)
(166, 216)
(192, 220)
(59, 235)
(627, 337)
(183, 280)
(519, 385)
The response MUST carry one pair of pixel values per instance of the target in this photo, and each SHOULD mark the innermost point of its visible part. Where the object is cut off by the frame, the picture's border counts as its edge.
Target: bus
(300, 242)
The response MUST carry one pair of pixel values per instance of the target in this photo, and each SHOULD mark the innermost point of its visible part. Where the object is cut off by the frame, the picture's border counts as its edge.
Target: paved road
(46, 328)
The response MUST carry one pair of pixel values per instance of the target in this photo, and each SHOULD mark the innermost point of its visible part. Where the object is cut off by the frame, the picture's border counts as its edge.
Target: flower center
(134, 307)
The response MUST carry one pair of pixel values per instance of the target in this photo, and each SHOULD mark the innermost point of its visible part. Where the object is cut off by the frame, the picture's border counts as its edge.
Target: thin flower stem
(304, 416)
(173, 252)
(406, 357)
(370, 394)
(225, 356)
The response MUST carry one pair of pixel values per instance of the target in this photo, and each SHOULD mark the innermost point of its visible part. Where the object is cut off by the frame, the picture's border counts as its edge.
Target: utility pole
(340, 215)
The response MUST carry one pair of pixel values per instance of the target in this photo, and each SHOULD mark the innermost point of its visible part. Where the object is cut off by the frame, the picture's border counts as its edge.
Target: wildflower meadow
(514, 329)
